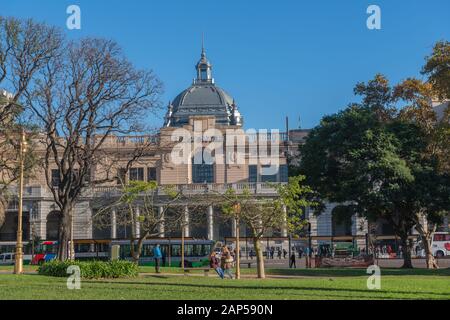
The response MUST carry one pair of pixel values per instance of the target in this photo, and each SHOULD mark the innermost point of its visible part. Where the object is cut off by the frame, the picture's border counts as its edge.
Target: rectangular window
(252, 173)
(56, 179)
(204, 74)
(203, 173)
(137, 174)
(121, 176)
(151, 174)
(267, 174)
(284, 177)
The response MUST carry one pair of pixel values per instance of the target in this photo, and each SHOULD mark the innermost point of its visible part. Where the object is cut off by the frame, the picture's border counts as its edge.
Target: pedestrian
(292, 261)
(226, 261)
(284, 253)
(279, 253)
(157, 255)
(163, 258)
(300, 253)
(272, 252)
(389, 250)
(214, 263)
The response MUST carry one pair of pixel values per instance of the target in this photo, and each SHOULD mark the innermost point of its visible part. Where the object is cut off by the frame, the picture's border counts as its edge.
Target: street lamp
(309, 245)
(237, 211)
(18, 266)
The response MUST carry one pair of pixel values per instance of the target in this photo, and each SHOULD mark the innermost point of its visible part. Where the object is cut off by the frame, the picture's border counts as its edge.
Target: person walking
(292, 261)
(226, 262)
(284, 253)
(214, 263)
(157, 255)
(279, 253)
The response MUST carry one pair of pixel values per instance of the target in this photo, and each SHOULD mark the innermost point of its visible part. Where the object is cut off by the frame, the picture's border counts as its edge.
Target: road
(384, 263)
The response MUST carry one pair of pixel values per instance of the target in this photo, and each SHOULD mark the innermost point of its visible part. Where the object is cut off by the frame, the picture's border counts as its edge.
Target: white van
(7, 258)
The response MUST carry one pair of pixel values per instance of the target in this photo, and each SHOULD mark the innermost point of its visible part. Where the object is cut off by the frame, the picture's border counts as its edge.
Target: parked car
(7, 258)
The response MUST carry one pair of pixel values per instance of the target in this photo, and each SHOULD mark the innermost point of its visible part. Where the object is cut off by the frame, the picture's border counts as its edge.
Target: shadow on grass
(356, 272)
(268, 288)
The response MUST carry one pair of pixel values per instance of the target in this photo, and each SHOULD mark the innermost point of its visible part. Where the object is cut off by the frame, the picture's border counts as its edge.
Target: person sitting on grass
(214, 263)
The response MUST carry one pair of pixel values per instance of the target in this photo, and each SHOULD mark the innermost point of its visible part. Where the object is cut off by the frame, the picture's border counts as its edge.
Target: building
(199, 115)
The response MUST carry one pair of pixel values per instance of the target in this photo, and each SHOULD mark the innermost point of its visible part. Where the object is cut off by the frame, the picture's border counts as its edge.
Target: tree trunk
(431, 262)
(426, 231)
(64, 235)
(407, 262)
(259, 258)
(136, 254)
(3, 207)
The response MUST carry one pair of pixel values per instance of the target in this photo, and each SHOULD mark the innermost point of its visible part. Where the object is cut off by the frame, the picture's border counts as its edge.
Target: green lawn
(313, 284)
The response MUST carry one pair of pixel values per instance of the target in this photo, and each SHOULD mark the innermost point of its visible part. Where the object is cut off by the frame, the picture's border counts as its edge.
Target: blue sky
(276, 58)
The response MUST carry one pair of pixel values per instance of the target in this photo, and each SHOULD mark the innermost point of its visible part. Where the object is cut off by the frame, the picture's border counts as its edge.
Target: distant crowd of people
(223, 261)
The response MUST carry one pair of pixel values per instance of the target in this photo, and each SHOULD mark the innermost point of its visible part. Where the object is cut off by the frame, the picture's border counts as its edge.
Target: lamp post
(290, 248)
(18, 266)
(182, 246)
(309, 245)
(237, 211)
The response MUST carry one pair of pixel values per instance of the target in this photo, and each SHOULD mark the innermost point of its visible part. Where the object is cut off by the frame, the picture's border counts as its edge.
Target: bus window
(441, 237)
(176, 250)
(83, 247)
(197, 250)
(206, 249)
(164, 250)
(125, 251)
(147, 250)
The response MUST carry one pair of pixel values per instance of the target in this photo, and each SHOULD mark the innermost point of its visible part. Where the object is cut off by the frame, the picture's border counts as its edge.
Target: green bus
(196, 252)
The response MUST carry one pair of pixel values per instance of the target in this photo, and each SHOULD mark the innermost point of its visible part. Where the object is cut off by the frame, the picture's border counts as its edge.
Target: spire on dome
(204, 74)
(203, 46)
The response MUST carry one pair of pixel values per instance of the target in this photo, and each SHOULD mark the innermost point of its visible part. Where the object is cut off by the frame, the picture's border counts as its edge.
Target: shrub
(90, 269)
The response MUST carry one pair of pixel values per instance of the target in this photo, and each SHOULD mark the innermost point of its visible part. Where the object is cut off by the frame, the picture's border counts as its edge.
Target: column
(161, 223)
(113, 224)
(137, 224)
(233, 227)
(284, 227)
(186, 222)
(210, 221)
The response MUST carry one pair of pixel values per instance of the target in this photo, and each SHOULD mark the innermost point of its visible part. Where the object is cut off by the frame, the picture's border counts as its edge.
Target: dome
(203, 98)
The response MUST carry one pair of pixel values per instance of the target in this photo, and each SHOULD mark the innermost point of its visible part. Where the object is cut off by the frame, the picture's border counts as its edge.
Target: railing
(132, 140)
(28, 191)
(197, 188)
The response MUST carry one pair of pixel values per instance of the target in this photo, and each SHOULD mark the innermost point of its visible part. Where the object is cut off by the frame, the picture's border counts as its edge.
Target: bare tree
(86, 97)
(25, 47)
(146, 207)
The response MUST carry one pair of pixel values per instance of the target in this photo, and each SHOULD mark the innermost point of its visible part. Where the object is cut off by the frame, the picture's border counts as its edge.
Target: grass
(313, 284)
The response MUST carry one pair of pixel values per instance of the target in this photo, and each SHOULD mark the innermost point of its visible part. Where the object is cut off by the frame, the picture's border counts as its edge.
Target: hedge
(90, 269)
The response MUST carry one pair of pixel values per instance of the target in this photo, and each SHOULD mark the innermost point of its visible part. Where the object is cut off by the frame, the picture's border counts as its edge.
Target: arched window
(53, 220)
(204, 73)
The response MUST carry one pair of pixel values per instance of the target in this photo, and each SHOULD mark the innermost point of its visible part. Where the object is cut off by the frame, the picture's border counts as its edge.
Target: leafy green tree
(416, 95)
(374, 167)
(261, 214)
